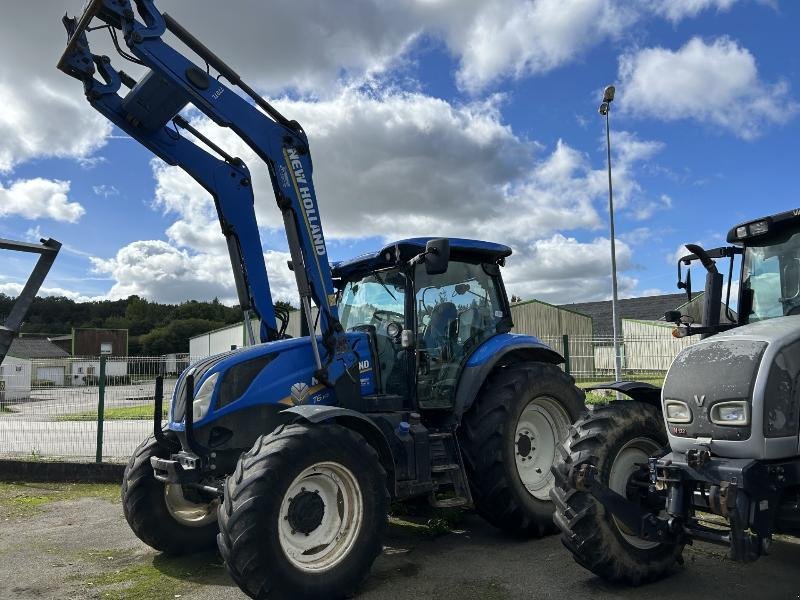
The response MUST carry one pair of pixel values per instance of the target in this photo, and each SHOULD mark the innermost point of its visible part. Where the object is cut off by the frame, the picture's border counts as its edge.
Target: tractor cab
(427, 305)
(770, 267)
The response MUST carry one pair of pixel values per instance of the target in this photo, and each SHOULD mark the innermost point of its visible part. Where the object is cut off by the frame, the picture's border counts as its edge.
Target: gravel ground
(72, 542)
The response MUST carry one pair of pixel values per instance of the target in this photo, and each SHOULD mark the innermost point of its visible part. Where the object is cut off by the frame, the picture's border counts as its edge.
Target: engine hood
(756, 364)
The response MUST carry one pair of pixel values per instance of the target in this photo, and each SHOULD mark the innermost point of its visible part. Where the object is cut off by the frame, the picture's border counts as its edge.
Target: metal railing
(81, 408)
(101, 408)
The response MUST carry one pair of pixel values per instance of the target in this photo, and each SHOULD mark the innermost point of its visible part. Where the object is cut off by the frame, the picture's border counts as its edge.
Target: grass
(6, 409)
(138, 412)
(23, 500)
(165, 578)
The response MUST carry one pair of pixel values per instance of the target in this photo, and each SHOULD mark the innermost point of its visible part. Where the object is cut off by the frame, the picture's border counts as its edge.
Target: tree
(174, 337)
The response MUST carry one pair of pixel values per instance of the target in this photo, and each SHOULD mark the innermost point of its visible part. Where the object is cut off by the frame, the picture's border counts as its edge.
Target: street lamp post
(605, 108)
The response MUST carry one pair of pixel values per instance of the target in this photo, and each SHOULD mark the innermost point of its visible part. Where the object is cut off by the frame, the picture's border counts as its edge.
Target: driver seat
(438, 330)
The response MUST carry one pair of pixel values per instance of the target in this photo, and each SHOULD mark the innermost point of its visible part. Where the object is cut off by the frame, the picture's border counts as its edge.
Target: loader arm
(47, 251)
(146, 112)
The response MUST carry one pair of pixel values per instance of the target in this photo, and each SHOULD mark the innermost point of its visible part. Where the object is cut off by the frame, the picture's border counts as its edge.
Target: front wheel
(304, 514)
(617, 438)
(168, 517)
(509, 439)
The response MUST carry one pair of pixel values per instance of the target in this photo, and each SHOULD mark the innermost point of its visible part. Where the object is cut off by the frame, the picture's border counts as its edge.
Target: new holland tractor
(286, 454)
(715, 454)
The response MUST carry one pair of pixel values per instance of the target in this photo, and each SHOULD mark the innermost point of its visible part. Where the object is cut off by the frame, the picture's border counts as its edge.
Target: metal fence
(101, 408)
(81, 408)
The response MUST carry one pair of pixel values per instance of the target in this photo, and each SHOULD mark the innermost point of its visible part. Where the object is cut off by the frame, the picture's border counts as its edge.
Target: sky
(470, 118)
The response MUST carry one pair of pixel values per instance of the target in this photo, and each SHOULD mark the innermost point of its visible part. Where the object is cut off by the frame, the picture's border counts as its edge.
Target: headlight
(203, 398)
(677, 411)
(731, 413)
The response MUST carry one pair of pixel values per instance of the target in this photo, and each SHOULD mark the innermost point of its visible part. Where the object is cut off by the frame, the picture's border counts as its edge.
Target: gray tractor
(714, 455)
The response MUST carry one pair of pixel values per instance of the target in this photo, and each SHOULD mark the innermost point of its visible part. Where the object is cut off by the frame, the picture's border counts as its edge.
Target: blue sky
(429, 117)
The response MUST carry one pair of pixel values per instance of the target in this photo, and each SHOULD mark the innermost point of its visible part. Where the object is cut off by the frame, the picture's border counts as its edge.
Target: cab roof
(460, 249)
(770, 226)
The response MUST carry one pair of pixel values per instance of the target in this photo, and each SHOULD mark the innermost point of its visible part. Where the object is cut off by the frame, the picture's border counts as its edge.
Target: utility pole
(605, 108)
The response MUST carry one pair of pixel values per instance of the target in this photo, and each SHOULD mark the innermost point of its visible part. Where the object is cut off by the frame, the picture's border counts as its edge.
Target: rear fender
(637, 390)
(501, 350)
(354, 421)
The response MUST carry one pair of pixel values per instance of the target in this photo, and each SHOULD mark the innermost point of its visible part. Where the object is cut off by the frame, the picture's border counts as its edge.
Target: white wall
(81, 368)
(223, 339)
(16, 373)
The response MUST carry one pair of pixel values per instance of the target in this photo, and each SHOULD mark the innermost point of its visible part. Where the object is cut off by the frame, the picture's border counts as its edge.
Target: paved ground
(73, 543)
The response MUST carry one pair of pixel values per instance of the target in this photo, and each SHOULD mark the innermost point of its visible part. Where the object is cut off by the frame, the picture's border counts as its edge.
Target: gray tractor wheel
(510, 438)
(167, 517)
(304, 514)
(616, 437)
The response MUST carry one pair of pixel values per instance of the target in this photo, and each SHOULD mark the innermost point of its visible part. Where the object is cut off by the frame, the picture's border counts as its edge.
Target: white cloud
(106, 191)
(513, 38)
(715, 82)
(677, 11)
(394, 165)
(158, 270)
(562, 269)
(13, 289)
(39, 198)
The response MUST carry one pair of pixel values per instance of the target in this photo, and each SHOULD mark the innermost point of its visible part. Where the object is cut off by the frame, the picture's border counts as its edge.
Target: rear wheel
(616, 438)
(304, 514)
(510, 439)
(167, 517)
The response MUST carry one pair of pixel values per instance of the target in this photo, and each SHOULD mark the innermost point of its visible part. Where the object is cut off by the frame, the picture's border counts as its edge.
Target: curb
(29, 470)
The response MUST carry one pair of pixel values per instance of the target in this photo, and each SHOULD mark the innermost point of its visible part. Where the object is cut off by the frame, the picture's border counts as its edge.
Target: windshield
(373, 299)
(375, 303)
(772, 273)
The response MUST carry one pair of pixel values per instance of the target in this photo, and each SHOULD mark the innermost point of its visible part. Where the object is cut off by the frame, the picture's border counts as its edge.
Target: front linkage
(195, 468)
(666, 500)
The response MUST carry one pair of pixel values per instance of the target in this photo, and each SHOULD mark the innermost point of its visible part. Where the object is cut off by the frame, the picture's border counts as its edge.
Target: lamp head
(608, 93)
(603, 110)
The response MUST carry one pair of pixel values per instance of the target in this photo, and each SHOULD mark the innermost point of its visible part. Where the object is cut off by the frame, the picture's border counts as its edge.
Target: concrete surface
(80, 548)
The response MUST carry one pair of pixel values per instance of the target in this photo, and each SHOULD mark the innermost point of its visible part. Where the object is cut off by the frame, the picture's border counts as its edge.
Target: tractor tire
(509, 439)
(282, 531)
(166, 517)
(614, 437)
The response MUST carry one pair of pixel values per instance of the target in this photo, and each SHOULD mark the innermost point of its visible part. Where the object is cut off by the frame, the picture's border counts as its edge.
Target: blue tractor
(287, 453)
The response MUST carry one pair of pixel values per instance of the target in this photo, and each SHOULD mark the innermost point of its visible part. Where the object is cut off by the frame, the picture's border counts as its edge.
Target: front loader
(286, 454)
(714, 455)
(47, 250)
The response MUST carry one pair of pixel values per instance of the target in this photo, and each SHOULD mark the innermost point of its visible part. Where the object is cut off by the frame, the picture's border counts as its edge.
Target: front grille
(199, 369)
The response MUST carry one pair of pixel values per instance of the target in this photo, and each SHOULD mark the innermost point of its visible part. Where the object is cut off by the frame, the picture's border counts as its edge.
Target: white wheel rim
(542, 425)
(331, 540)
(187, 512)
(625, 464)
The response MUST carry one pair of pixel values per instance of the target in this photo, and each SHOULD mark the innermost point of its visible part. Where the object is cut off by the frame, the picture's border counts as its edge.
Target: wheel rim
(186, 512)
(321, 516)
(626, 463)
(542, 425)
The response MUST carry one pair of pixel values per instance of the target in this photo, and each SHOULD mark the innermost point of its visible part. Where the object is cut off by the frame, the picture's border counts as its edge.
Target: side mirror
(437, 256)
(672, 316)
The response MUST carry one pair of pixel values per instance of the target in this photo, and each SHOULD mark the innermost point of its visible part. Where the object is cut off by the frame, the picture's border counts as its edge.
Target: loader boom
(152, 104)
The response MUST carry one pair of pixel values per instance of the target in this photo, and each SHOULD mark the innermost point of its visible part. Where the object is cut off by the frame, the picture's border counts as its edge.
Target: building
(645, 308)
(235, 336)
(90, 341)
(32, 361)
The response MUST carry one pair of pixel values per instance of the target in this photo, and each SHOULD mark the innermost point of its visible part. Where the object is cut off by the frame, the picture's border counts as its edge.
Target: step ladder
(447, 472)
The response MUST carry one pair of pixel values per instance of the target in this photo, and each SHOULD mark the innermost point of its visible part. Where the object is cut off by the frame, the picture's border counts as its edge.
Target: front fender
(356, 421)
(502, 349)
